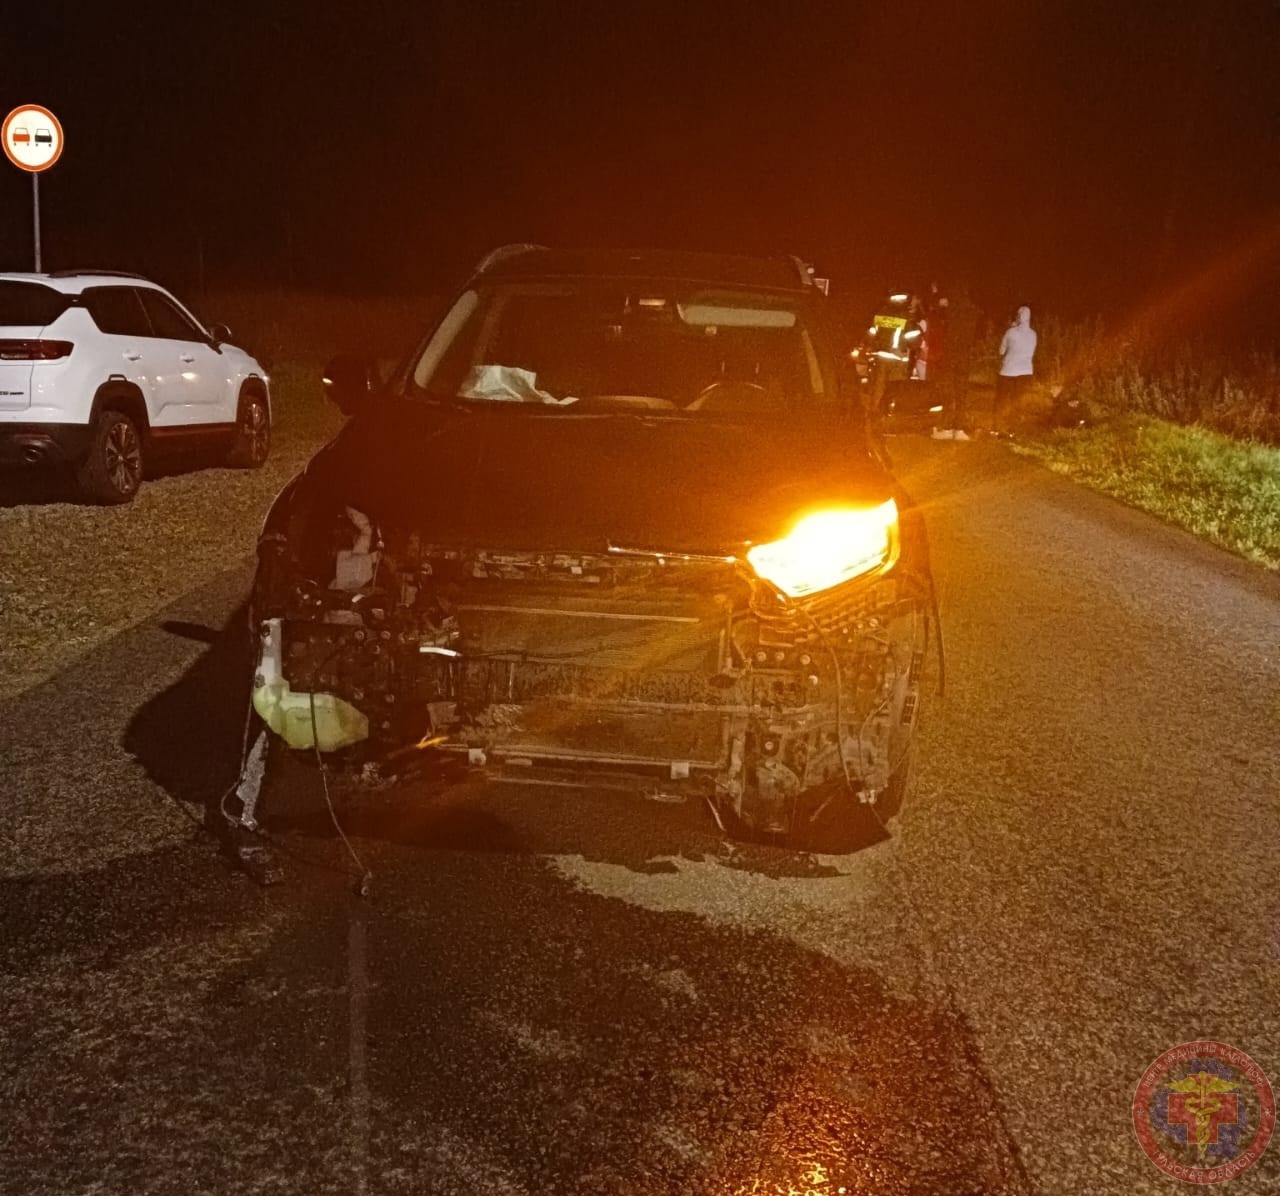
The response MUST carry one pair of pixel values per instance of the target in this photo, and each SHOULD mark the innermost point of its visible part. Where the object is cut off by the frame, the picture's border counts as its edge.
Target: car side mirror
(220, 334)
(349, 380)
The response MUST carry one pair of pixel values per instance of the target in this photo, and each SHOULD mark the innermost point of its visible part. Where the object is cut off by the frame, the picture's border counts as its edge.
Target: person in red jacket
(934, 323)
(952, 334)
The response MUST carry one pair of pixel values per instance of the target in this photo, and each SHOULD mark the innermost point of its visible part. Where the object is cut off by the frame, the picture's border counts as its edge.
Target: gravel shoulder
(71, 574)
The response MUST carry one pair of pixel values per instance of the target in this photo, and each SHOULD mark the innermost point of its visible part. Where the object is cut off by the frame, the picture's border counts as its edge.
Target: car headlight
(829, 547)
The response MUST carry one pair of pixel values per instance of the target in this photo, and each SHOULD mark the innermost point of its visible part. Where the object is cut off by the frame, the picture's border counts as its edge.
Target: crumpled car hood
(503, 475)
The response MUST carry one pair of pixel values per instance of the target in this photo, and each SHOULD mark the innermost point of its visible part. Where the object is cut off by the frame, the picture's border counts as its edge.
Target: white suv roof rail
(98, 273)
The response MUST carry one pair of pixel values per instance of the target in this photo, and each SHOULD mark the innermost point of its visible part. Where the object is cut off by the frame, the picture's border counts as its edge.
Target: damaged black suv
(618, 514)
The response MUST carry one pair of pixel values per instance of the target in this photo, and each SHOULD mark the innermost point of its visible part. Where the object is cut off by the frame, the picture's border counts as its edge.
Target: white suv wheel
(112, 470)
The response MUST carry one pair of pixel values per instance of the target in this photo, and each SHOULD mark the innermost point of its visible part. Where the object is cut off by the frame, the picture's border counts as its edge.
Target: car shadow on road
(55, 485)
(189, 738)
(514, 1031)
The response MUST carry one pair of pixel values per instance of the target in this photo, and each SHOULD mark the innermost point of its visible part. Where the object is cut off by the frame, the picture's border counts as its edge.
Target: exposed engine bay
(380, 649)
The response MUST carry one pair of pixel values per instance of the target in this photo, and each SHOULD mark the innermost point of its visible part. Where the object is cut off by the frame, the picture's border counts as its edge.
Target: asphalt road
(549, 991)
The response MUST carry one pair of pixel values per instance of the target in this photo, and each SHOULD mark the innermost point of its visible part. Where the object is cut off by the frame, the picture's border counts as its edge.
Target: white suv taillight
(34, 350)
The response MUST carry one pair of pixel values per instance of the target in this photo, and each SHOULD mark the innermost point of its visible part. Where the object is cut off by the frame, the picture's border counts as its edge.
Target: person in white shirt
(1017, 368)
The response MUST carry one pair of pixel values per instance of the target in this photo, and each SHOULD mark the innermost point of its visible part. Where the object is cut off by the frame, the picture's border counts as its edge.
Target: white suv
(107, 372)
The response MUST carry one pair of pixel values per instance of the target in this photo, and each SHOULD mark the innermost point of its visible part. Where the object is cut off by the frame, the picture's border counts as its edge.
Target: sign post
(35, 215)
(33, 142)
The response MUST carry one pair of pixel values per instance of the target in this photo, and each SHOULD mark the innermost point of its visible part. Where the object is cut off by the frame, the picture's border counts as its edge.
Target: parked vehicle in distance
(107, 372)
(620, 515)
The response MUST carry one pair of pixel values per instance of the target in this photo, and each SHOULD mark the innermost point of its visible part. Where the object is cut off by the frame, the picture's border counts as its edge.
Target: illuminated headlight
(829, 547)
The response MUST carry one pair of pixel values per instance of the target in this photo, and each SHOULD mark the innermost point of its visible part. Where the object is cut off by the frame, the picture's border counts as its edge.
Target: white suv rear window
(29, 304)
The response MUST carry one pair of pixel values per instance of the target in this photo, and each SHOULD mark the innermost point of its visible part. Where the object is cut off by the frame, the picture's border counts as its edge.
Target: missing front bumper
(751, 707)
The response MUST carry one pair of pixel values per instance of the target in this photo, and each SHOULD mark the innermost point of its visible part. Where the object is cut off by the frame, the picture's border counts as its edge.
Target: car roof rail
(503, 252)
(102, 273)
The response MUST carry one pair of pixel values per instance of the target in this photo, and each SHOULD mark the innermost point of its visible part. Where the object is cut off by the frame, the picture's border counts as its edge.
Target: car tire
(112, 469)
(291, 788)
(252, 444)
(826, 819)
(832, 821)
(293, 793)
(829, 818)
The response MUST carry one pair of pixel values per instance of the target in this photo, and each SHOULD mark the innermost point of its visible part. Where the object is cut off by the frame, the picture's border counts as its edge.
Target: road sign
(32, 138)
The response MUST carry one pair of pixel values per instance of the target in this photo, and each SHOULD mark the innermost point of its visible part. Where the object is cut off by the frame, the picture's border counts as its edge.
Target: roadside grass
(301, 418)
(307, 328)
(1222, 489)
(295, 333)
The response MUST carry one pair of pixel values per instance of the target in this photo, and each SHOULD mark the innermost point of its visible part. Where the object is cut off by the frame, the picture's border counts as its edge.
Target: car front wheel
(253, 433)
(112, 469)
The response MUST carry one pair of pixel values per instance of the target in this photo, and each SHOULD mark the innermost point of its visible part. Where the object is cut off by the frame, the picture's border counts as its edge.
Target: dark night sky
(1080, 154)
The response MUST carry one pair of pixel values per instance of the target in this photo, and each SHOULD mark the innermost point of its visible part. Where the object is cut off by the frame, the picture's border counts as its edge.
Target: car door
(190, 374)
(127, 344)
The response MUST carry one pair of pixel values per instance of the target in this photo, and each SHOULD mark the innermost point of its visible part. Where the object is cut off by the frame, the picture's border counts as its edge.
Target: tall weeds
(1187, 381)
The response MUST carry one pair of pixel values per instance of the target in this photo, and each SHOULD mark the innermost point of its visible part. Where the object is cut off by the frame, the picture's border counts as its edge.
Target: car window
(656, 346)
(116, 311)
(30, 304)
(168, 320)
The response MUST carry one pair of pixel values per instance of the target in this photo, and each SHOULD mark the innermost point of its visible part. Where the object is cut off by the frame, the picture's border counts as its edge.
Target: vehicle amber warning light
(829, 547)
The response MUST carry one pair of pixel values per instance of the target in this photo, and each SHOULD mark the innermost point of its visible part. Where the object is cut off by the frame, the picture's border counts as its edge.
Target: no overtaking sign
(32, 138)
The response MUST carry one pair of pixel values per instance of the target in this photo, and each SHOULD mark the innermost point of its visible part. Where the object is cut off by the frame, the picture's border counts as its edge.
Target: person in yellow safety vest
(894, 329)
(889, 351)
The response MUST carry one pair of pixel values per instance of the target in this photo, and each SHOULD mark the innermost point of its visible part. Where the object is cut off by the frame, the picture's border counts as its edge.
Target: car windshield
(625, 346)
